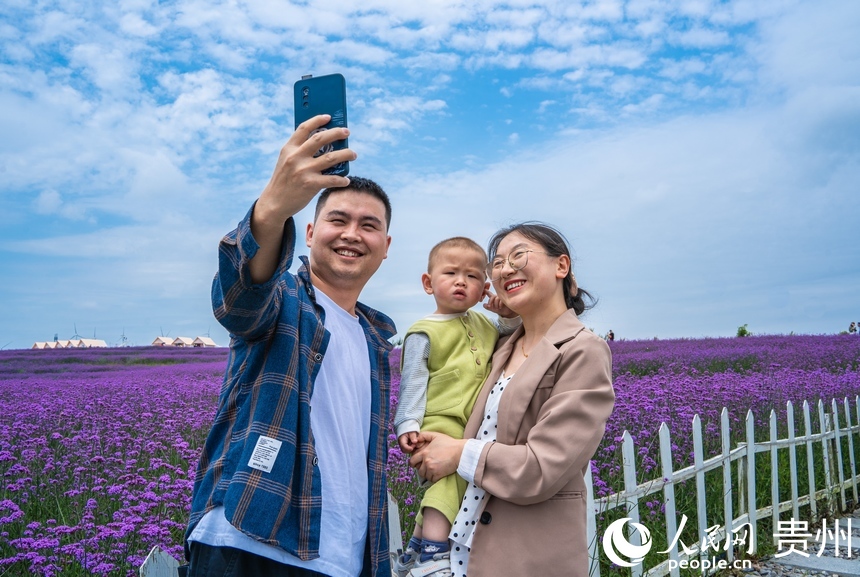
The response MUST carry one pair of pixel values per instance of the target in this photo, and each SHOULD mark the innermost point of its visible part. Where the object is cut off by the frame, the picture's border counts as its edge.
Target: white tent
(92, 343)
(204, 342)
(183, 342)
(39, 345)
(162, 342)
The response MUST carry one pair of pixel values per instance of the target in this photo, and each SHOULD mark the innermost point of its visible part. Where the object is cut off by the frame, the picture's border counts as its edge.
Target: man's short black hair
(357, 184)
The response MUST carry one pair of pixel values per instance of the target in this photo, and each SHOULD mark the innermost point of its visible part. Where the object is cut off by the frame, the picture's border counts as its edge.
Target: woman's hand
(438, 455)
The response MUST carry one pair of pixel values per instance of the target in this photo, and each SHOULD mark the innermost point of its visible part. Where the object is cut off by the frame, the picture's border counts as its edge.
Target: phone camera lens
(305, 105)
(306, 91)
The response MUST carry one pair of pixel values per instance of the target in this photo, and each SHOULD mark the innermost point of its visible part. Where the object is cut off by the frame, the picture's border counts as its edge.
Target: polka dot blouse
(473, 502)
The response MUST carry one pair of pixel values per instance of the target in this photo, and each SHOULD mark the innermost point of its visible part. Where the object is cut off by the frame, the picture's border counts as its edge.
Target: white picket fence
(839, 475)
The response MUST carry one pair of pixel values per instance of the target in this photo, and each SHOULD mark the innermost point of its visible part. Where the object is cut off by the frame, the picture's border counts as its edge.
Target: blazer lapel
(521, 388)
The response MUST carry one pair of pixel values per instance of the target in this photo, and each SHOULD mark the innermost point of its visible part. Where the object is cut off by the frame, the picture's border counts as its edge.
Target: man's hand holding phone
(297, 178)
(298, 174)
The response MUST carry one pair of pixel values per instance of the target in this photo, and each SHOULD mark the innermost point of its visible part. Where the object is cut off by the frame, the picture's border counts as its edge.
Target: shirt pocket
(444, 393)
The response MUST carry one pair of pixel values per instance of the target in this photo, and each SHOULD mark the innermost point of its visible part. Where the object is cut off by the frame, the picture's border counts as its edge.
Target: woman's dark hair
(554, 243)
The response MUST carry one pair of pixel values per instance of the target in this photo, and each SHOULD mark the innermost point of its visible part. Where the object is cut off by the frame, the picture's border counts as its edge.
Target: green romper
(459, 362)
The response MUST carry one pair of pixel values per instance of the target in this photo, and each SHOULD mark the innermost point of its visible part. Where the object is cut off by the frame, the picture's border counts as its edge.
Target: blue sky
(703, 157)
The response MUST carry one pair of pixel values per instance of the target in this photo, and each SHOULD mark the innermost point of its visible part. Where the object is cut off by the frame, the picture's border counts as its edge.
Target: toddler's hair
(456, 242)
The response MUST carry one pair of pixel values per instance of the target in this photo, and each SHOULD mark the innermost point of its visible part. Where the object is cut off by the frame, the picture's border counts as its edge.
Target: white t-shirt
(340, 421)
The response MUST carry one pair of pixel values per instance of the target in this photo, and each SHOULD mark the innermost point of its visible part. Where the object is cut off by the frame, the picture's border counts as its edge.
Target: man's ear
(425, 282)
(387, 246)
(309, 234)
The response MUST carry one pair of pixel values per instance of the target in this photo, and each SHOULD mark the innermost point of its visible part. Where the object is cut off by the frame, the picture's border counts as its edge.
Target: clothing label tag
(265, 454)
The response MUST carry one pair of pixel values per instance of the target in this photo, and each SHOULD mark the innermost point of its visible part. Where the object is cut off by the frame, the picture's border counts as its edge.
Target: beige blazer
(551, 418)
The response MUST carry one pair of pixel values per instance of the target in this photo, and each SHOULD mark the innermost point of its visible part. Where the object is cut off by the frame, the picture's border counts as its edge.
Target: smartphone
(323, 95)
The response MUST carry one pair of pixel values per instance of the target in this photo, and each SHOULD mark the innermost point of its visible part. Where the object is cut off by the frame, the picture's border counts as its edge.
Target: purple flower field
(672, 380)
(98, 447)
(97, 450)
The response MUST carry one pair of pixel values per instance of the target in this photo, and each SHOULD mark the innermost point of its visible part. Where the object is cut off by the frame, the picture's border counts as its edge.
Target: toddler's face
(456, 280)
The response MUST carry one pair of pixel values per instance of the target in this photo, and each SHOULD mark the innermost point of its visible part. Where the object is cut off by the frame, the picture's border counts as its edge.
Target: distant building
(183, 342)
(204, 342)
(162, 342)
(70, 344)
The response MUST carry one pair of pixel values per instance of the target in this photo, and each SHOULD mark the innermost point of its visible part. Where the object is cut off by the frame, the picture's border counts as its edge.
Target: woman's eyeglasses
(517, 260)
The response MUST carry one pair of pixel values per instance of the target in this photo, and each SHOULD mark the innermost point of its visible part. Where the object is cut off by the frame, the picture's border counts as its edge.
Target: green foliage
(743, 331)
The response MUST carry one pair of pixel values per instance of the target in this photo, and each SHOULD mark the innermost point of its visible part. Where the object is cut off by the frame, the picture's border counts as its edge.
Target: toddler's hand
(494, 304)
(408, 441)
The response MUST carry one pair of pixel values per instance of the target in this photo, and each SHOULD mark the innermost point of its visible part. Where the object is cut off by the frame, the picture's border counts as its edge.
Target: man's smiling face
(348, 240)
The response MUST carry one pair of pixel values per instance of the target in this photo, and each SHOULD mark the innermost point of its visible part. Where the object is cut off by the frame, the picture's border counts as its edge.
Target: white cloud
(515, 38)
(807, 46)
(48, 202)
(678, 69)
(545, 105)
(611, 10)
(109, 70)
(660, 210)
(696, 8)
(167, 117)
(700, 37)
(648, 105)
(135, 25)
(387, 116)
(650, 27)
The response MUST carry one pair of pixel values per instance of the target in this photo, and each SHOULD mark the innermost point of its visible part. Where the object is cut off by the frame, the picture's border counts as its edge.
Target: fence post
(159, 564)
(701, 503)
(751, 500)
(669, 494)
(774, 476)
(628, 453)
(742, 479)
(850, 428)
(823, 422)
(591, 524)
(792, 459)
(727, 480)
(395, 535)
(810, 467)
(837, 439)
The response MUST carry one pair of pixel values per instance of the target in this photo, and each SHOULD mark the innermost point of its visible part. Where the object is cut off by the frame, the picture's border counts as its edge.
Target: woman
(536, 424)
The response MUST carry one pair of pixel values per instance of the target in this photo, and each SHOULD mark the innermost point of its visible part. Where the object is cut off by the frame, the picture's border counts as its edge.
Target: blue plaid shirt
(278, 343)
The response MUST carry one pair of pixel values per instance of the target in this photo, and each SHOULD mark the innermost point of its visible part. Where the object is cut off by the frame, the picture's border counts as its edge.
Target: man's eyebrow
(335, 213)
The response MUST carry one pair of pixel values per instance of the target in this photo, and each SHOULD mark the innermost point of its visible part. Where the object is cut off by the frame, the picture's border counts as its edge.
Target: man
(291, 481)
